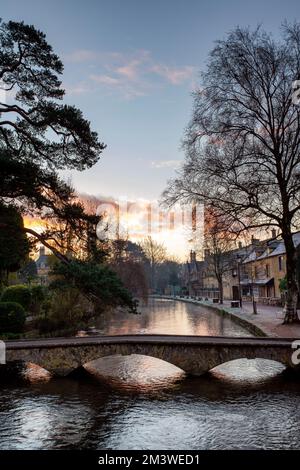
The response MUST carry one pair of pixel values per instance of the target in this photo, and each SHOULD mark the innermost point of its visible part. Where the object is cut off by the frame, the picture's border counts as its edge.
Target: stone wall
(194, 355)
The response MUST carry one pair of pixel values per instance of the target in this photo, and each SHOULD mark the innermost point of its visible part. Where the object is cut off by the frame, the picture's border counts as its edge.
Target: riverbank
(267, 321)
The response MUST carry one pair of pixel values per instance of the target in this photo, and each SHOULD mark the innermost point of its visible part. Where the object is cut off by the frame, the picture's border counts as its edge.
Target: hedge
(12, 317)
(19, 293)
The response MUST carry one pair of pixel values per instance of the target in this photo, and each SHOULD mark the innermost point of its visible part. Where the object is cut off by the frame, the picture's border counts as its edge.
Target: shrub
(12, 317)
(19, 293)
(38, 297)
(64, 310)
(283, 284)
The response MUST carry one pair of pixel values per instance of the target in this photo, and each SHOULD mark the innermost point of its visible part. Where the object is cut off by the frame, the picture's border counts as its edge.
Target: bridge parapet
(195, 355)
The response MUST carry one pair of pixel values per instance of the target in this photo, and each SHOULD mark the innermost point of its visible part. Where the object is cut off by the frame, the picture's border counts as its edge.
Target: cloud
(105, 79)
(131, 219)
(127, 89)
(130, 75)
(133, 68)
(174, 75)
(165, 164)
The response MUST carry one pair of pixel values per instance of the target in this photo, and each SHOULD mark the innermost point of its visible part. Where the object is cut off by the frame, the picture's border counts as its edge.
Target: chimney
(206, 253)
(192, 256)
(42, 250)
(273, 233)
(240, 245)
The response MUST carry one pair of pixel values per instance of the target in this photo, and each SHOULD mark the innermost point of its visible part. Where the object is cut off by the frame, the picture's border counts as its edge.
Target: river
(144, 403)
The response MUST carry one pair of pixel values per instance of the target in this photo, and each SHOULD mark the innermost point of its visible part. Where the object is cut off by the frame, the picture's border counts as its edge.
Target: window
(267, 270)
(280, 263)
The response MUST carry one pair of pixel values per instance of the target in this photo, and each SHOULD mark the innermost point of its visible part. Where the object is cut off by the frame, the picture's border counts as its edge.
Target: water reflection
(245, 371)
(135, 373)
(240, 405)
(173, 318)
(200, 413)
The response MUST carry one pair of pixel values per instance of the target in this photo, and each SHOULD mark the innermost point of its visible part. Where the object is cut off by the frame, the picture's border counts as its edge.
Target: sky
(131, 67)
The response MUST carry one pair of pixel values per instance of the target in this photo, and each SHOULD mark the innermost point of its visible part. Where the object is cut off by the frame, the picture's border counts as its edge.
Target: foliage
(283, 284)
(38, 297)
(167, 274)
(39, 135)
(19, 293)
(30, 70)
(64, 310)
(28, 271)
(12, 317)
(98, 282)
(14, 246)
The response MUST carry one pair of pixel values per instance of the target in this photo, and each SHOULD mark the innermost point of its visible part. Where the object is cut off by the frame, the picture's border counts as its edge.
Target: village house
(232, 277)
(43, 266)
(254, 270)
(199, 278)
(263, 270)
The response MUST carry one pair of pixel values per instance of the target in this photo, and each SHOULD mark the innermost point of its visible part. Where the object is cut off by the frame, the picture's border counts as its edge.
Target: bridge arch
(247, 369)
(194, 355)
(134, 368)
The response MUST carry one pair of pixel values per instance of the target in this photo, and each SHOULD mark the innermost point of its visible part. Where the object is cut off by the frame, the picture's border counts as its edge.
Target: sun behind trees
(243, 142)
(40, 135)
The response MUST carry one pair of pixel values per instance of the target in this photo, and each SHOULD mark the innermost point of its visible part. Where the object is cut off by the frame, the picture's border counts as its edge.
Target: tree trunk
(291, 298)
(221, 293)
(153, 283)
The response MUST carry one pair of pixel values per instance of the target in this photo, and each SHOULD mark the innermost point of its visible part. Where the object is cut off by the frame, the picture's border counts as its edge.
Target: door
(235, 293)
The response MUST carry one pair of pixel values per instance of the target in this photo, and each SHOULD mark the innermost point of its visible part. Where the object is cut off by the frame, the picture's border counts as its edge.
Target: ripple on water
(135, 372)
(239, 405)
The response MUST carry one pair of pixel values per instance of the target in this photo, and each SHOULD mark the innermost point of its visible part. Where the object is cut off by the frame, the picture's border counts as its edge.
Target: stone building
(264, 268)
(198, 277)
(43, 265)
(253, 270)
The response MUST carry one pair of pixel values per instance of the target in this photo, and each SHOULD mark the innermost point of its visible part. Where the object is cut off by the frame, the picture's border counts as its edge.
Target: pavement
(268, 318)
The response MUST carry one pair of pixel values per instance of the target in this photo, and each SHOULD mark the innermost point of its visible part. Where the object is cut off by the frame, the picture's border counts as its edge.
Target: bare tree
(219, 241)
(243, 141)
(128, 261)
(156, 253)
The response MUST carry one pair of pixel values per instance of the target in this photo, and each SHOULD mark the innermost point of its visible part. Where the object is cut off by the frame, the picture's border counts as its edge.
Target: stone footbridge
(193, 354)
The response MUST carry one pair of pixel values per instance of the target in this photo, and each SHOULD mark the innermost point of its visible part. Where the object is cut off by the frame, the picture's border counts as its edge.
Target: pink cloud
(174, 75)
(131, 75)
(105, 79)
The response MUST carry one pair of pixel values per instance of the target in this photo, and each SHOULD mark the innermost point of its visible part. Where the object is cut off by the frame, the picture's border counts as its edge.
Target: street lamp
(239, 260)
